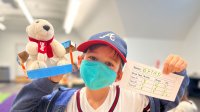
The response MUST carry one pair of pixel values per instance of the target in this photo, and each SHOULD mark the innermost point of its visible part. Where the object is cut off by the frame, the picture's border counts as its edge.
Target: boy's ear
(80, 58)
(119, 75)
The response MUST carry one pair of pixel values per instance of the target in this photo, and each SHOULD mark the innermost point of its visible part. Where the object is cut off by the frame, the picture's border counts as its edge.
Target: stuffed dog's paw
(62, 62)
(32, 48)
(37, 65)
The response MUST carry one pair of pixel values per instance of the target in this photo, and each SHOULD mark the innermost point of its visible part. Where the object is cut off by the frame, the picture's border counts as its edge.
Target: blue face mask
(96, 75)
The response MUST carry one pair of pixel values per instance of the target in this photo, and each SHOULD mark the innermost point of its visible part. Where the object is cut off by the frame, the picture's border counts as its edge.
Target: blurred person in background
(186, 105)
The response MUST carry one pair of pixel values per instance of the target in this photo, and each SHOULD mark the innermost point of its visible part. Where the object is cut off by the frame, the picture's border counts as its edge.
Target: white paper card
(150, 81)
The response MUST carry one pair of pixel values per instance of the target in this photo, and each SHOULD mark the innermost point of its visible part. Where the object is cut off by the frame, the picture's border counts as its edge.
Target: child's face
(105, 54)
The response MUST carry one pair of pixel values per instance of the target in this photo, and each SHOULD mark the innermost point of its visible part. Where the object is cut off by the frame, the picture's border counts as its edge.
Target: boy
(101, 64)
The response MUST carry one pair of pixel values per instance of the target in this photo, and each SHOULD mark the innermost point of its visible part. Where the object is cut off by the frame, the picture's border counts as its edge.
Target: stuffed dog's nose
(46, 27)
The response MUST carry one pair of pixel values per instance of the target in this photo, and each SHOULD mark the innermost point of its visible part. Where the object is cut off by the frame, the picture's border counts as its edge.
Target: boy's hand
(55, 79)
(174, 63)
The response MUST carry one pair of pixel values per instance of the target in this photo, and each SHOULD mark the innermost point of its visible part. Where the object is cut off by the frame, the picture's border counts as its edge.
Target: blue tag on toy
(50, 71)
(66, 44)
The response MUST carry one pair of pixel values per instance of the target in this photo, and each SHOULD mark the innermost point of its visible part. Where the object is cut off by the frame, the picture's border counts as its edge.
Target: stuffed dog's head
(40, 29)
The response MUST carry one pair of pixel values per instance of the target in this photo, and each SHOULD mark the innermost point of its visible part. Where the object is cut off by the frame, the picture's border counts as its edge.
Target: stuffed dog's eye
(37, 21)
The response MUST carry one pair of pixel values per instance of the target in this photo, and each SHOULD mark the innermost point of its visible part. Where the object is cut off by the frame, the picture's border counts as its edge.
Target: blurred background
(152, 29)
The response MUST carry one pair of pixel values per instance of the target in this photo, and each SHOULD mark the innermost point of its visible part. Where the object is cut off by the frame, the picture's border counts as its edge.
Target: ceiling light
(71, 13)
(25, 10)
(2, 27)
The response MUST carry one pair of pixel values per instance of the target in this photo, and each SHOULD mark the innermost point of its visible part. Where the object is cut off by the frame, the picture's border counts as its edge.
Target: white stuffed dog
(42, 46)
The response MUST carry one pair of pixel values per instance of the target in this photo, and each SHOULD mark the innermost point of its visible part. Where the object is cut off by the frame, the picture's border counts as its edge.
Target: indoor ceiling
(15, 21)
(166, 19)
(157, 19)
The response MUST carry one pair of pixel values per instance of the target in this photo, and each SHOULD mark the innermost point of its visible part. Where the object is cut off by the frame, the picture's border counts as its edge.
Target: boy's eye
(92, 58)
(109, 64)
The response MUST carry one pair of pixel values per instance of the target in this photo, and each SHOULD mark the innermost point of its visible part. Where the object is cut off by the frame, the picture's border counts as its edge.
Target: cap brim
(84, 46)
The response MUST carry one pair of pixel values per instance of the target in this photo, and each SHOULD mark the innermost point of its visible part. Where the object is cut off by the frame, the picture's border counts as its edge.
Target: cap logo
(110, 35)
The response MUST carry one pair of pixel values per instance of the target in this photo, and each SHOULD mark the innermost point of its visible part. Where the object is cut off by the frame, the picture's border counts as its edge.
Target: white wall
(147, 51)
(8, 41)
(191, 48)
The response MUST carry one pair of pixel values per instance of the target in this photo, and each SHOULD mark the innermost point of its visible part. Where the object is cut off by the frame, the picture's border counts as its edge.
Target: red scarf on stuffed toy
(44, 46)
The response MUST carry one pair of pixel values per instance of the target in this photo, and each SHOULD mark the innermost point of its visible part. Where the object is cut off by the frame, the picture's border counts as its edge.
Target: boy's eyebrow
(112, 58)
